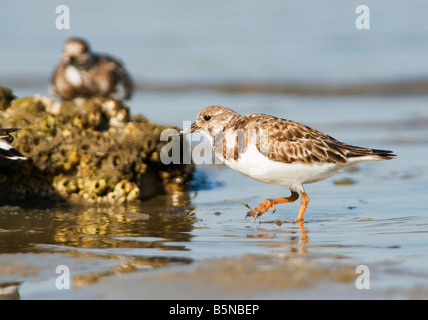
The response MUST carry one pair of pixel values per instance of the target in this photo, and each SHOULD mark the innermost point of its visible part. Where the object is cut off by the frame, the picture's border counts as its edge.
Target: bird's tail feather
(12, 154)
(384, 154)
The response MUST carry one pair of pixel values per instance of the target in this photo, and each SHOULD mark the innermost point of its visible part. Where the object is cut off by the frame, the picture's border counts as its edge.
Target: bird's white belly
(291, 175)
(73, 75)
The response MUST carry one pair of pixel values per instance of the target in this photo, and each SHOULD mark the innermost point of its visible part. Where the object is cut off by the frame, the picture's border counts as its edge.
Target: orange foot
(270, 203)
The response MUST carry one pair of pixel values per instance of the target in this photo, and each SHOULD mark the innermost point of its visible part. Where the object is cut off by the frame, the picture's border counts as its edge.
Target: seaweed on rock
(93, 151)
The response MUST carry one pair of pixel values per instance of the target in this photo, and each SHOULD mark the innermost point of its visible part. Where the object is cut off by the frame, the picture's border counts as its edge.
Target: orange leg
(303, 206)
(270, 203)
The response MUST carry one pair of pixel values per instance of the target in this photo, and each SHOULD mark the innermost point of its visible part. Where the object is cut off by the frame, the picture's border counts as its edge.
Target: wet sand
(282, 276)
(272, 277)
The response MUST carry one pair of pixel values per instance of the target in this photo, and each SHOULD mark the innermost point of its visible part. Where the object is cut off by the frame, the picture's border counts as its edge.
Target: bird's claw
(261, 209)
(253, 213)
(273, 208)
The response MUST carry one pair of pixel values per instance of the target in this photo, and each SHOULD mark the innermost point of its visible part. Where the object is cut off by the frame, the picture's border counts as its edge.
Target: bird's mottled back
(279, 139)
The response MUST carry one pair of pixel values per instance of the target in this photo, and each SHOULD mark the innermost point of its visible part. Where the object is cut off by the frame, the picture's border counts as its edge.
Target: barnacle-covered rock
(94, 151)
(6, 96)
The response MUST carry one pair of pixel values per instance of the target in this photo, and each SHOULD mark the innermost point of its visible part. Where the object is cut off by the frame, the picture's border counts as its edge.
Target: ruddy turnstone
(278, 151)
(6, 149)
(83, 74)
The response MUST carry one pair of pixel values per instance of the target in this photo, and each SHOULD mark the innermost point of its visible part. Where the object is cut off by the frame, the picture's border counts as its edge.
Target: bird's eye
(207, 118)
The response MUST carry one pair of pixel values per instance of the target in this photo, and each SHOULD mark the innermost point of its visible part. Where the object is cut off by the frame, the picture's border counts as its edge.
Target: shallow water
(378, 217)
(374, 215)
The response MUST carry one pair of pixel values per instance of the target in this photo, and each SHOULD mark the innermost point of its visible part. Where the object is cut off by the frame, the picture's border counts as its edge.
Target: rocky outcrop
(93, 151)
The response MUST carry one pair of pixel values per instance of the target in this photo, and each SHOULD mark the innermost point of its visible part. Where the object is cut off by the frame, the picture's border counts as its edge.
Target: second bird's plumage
(84, 74)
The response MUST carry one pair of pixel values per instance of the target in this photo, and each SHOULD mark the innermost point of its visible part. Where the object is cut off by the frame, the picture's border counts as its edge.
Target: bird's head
(212, 120)
(76, 52)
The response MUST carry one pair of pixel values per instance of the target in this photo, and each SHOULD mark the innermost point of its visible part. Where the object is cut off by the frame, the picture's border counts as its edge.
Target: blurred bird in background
(83, 74)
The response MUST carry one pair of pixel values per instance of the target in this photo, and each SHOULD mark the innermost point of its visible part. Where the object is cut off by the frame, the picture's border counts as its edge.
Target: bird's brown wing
(288, 141)
(292, 142)
(108, 74)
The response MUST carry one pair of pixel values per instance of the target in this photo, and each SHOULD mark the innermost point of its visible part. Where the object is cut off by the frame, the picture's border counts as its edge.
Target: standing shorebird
(83, 74)
(6, 149)
(278, 151)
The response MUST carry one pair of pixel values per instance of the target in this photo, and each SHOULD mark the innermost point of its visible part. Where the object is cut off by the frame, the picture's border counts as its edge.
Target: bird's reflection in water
(295, 234)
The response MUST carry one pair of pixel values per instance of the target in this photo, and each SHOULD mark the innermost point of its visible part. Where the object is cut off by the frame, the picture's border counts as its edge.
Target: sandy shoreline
(250, 276)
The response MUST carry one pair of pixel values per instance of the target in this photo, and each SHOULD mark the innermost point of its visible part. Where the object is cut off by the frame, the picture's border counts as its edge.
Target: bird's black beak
(191, 129)
(71, 60)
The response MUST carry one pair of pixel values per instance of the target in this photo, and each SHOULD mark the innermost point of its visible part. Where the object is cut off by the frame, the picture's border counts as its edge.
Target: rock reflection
(150, 224)
(132, 237)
